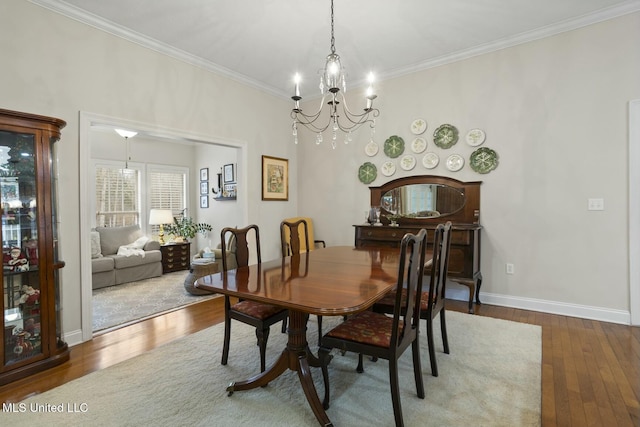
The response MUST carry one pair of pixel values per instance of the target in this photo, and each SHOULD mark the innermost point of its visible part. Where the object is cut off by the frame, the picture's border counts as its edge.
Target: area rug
(122, 304)
(491, 378)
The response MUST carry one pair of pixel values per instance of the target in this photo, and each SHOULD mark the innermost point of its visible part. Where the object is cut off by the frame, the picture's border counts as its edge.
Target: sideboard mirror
(428, 198)
(423, 200)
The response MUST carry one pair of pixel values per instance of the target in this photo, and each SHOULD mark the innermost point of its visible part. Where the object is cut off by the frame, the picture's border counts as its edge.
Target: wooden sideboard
(464, 258)
(175, 256)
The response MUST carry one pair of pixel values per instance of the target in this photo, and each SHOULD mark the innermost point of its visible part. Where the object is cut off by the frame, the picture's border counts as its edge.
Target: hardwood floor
(590, 369)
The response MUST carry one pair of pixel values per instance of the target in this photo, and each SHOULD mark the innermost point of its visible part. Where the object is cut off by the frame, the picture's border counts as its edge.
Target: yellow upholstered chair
(286, 237)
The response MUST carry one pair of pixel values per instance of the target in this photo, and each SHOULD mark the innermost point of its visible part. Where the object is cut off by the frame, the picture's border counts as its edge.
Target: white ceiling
(263, 43)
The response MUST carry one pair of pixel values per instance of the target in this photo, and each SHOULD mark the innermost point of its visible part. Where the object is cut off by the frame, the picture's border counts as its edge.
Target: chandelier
(340, 117)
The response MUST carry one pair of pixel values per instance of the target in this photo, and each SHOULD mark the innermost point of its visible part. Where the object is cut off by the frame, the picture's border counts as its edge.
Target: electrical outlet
(595, 204)
(510, 269)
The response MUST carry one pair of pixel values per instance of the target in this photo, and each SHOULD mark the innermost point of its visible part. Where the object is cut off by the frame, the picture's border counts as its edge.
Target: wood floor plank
(590, 369)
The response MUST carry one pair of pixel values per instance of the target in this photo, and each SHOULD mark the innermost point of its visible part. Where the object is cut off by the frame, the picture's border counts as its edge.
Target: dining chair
(294, 239)
(382, 336)
(308, 231)
(432, 301)
(256, 314)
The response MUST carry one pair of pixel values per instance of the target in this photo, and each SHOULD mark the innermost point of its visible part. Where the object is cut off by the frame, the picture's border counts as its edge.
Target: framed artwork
(275, 178)
(204, 174)
(204, 187)
(229, 173)
(204, 201)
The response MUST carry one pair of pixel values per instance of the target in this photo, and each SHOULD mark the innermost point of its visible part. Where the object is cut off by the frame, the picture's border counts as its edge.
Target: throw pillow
(95, 245)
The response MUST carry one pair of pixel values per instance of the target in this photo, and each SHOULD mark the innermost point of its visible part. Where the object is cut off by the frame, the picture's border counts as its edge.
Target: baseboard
(545, 306)
(73, 338)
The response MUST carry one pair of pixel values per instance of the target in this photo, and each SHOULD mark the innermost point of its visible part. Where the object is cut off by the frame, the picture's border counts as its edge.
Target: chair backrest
(406, 312)
(294, 236)
(439, 266)
(241, 242)
(304, 243)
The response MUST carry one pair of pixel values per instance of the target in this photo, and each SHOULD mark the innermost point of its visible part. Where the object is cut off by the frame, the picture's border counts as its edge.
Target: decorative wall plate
(367, 173)
(455, 162)
(371, 149)
(475, 137)
(394, 146)
(418, 145)
(407, 162)
(483, 160)
(418, 126)
(430, 160)
(388, 168)
(445, 136)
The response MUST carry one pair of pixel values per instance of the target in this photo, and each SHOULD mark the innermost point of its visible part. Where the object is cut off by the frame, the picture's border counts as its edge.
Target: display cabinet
(32, 332)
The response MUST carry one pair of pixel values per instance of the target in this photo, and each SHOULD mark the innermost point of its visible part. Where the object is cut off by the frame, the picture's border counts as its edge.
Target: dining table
(332, 281)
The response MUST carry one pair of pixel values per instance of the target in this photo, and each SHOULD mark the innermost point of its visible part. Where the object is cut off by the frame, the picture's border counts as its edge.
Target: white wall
(55, 66)
(555, 110)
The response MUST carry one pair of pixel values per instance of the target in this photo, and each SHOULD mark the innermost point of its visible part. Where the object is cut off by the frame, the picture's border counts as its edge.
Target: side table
(175, 256)
(197, 270)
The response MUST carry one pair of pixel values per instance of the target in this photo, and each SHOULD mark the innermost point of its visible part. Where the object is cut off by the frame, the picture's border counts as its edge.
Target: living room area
(128, 178)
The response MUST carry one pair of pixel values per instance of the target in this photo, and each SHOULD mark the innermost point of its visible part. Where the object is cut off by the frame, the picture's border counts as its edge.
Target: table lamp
(160, 217)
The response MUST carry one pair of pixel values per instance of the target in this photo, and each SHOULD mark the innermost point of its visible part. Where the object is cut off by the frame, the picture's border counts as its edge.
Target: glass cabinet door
(19, 225)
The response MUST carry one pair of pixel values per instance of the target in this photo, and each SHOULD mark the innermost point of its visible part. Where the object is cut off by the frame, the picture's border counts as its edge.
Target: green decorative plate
(367, 173)
(483, 160)
(394, 146)
(445, 136)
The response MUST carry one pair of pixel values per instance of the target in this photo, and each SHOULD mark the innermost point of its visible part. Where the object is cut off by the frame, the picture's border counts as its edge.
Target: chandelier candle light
(331, 80)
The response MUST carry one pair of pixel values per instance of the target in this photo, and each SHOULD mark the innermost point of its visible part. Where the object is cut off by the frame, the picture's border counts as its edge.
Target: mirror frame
(469, 214)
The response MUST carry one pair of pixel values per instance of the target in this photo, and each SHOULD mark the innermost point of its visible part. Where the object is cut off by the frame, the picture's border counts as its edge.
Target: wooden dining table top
(331, 281)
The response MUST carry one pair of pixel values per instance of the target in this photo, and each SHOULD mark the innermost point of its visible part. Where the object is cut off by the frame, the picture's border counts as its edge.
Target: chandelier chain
(333, 38)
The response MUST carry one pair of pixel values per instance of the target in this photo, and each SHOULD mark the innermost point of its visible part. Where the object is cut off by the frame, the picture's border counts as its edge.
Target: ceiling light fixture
(126, 134)
(331, 80)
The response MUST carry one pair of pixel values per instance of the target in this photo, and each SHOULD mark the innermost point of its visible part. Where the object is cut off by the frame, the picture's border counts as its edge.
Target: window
(167, 190)
(117, 196)
(125, 196)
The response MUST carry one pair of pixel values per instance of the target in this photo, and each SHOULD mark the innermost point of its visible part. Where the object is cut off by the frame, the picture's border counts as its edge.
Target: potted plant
(185, 227)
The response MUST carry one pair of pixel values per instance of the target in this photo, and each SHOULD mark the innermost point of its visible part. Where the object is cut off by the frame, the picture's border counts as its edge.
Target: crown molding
(95, 21)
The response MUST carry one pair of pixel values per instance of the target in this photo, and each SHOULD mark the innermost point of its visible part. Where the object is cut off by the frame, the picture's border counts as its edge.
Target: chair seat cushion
(390, 299)
(256, 309)
(366, 328)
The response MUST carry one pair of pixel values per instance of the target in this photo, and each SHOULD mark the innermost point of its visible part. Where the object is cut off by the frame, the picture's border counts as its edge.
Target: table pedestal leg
(297, 357)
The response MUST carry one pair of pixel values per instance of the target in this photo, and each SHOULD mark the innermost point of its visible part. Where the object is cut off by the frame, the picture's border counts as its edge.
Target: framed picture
(275, 178)
(204, 201)
(228, 173)
(204, 174)
(204, 187)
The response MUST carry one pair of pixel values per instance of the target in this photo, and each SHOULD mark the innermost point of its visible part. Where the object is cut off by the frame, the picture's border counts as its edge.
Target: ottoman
(200, 267)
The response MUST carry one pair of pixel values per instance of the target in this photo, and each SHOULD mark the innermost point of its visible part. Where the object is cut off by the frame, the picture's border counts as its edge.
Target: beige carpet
(120, 305)
(491, 378)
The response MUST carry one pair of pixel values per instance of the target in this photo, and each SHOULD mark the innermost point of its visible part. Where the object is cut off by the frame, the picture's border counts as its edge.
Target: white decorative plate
(418, 126)
(371, 149)
(418, 145)
(408, 162)
(388, 168)
(455, 162)
(430, 160)
(475, 137)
